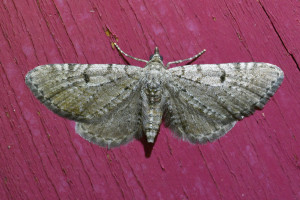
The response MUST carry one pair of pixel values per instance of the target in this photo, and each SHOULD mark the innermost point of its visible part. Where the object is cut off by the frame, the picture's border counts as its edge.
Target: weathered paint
(41, 156)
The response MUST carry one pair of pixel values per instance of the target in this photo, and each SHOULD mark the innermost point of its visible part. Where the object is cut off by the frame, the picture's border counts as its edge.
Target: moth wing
(205, 101)
(83, 92)
(116, 128)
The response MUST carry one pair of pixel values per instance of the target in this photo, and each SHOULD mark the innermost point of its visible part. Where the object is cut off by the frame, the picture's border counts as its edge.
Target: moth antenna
(191, 58)
(125, 54)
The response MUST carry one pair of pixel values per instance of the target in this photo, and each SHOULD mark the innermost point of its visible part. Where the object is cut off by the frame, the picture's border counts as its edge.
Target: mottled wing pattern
(92, 94)
(119, 127)
(206, 100)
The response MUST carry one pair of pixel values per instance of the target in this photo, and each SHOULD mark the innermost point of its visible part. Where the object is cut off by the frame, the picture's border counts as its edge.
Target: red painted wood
(41, 156)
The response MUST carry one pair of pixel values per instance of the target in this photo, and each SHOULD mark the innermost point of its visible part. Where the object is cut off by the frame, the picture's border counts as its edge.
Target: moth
(113, 103)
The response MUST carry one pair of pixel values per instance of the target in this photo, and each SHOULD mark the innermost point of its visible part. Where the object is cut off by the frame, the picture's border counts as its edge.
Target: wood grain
(41, 156)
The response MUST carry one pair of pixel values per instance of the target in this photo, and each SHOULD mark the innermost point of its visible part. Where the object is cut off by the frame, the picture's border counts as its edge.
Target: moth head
(156, 56)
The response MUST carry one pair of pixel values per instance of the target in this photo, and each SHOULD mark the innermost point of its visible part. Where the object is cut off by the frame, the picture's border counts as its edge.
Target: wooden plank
(41, 156)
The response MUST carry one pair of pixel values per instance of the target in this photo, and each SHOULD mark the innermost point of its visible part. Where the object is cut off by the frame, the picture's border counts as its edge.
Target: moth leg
(122, 52)
(191, 58)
